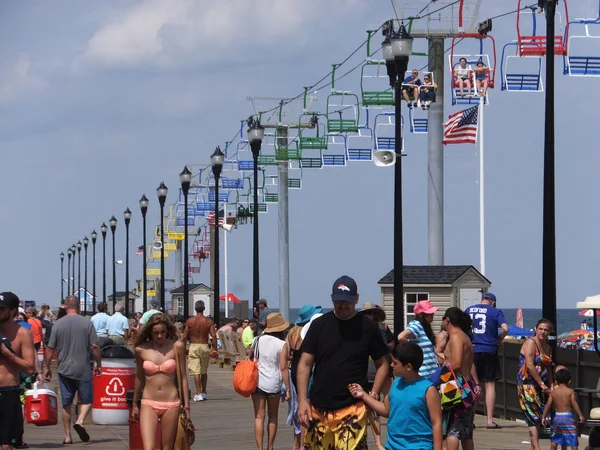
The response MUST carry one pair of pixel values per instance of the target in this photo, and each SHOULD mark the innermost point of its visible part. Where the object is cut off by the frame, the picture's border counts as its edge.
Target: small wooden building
(196, 292)
(443, 286)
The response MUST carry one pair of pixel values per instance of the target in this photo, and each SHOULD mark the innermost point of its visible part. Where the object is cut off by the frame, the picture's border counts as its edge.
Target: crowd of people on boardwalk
(339, 371)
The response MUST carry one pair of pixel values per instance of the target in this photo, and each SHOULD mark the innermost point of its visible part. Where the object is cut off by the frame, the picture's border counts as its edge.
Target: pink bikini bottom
(160, 407)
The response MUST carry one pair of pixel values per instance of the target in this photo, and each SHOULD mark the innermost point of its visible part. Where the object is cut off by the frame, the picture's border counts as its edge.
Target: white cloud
(162, 34)
(17, 78)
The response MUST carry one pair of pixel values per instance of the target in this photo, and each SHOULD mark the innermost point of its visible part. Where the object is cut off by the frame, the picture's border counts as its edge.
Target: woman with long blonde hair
(159, 355)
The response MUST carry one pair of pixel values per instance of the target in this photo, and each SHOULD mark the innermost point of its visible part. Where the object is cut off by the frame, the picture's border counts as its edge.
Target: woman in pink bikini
(156, 350)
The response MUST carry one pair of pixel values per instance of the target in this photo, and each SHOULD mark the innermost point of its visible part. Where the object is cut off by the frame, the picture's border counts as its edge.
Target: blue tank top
(409, 425)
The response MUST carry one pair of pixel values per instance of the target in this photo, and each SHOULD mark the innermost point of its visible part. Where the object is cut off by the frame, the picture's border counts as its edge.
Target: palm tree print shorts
(344, 429)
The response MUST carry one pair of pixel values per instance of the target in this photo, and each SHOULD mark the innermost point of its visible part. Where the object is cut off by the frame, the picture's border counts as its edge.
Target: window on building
(178, 307)
(411, 300)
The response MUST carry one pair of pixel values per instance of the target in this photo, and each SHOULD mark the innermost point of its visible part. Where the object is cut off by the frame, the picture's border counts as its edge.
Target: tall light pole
(62, 275)
(69, 253)
(113, 227)
(94, 237)
(79, 271)
(256, 133)
(549, 217)
(86, 241)
(127, 216)
(186, 180)
(73, 252)
(397, 48)
(162, 192)
(144, 209)
(216, 160)
(103, 229)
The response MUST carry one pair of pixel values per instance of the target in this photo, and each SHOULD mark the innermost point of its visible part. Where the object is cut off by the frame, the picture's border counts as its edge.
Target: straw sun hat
(372, 307)
(275, 323)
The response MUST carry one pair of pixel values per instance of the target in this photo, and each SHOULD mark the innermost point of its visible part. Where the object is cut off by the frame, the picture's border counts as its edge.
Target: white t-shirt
(269, 371)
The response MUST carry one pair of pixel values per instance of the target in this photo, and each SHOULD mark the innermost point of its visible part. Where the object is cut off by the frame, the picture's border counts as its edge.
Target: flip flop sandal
(495, 426)
(80, 430)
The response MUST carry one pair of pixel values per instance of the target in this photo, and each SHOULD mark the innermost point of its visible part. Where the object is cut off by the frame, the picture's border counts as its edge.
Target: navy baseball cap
(489, 296)
(344, 289)
(8, 300)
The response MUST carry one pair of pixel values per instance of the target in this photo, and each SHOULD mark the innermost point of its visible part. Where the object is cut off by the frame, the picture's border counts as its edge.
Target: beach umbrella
(230, 297)
(588, 313)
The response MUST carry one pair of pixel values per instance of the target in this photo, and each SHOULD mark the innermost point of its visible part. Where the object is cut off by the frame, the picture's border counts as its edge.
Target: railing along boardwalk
(225, 421)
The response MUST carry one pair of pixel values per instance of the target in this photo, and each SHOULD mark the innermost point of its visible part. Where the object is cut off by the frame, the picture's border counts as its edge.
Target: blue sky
(100, 103)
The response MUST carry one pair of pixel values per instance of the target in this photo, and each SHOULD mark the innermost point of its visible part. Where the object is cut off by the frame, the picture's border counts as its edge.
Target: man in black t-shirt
(339, 344)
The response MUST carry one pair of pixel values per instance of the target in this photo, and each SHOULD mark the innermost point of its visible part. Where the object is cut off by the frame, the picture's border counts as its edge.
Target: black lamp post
(103, 229)
(549, 218)
(397, 48)
(127, 216)
(62, 275)
(186, 179)
(216, 160)
(73, 252)
(256, 133)
(162, 192)
(113, 227)
(86, 241)
(69, 253)
(94, 237)
(79, 272)
(144, 208)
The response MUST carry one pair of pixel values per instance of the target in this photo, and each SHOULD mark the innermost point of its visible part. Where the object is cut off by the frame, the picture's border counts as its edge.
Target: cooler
(110, 389)
(41, 406)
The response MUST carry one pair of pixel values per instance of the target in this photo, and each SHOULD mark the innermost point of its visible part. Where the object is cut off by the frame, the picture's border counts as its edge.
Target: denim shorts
(259, 391)
(69, 386)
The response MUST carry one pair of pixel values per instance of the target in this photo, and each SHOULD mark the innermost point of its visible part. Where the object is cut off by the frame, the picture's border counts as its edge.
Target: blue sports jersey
(486, 321)
(408, 79)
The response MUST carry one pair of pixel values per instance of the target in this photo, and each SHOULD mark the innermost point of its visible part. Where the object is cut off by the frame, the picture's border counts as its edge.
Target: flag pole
(225, 260)
(481, 189)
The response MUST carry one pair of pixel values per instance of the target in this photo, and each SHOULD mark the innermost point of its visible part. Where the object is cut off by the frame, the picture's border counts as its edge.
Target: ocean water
(568, 319)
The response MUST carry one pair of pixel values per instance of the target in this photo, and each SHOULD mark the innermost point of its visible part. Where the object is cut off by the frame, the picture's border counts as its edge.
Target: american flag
(139, 250)
(210, 219)
(461, 127)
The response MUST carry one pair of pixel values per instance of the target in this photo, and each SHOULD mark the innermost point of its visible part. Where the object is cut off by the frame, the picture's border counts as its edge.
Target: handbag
(450, 388)
(245, 377)
(186, 432)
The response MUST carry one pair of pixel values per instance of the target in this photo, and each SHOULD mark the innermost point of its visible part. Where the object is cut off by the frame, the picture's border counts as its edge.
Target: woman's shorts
(259, 391)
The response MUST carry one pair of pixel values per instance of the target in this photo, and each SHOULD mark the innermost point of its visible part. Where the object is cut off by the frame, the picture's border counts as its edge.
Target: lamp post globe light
(79, 272)
(113, 227)
(162, 192)
(397, 48)
(256, 133)
(216, 160)
(73, 252)
(144, 209)
(127, 216)
(103, 229)
(86, 241)
(62, 275)
(185, 177)
(94, 238)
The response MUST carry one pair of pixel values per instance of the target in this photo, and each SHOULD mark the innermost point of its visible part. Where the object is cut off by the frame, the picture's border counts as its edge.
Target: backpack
(245, 377)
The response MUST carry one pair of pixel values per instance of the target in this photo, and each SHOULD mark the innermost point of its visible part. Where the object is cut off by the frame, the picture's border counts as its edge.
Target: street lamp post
(86, 241)
(62, 275)
(186, 180)
(79, 272)
(256, 133)
(113, 227)
(127, 216)
(162, 192)
(216, 160)
(69, 253)
(73, 252)
(94, 237)
(103, 229)
(144, 208)
(397, 48)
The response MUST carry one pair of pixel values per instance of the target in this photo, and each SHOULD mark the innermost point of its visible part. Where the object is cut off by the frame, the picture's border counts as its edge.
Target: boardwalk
(225, 421)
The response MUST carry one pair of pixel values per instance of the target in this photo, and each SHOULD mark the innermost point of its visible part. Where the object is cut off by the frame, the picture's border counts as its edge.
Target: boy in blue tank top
(413, 405)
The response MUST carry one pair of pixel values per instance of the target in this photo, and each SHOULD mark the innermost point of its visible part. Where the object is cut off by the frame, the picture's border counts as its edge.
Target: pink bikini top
(168, 366)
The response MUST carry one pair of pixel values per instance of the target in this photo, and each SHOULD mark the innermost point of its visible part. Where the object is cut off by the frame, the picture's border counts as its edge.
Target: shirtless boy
(197, 329)
(16, 355)
(562, 400)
